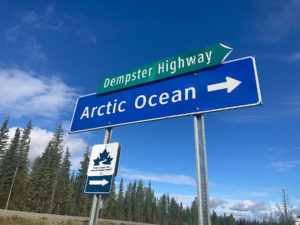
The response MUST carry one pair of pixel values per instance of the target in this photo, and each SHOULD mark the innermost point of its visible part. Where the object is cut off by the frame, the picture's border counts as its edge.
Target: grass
(16, 220)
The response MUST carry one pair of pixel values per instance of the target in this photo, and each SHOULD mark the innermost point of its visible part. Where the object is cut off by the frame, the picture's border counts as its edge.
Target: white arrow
(99, 182)
(230, 85)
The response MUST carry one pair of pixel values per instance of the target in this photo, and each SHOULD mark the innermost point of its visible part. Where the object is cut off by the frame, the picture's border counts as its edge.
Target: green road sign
(173, 66)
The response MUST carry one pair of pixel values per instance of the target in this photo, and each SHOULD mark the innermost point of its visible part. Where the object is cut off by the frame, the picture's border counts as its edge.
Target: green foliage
(15, 220)
(82, 200)
(48, 187)
(112, 212)
(20, 184)
(3, 137)
(64, 191)
(44, 176)
(8, 168)
(121, 202)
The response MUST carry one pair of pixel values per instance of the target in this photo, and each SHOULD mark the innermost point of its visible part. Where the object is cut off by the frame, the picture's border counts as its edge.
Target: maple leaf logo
(104, 158)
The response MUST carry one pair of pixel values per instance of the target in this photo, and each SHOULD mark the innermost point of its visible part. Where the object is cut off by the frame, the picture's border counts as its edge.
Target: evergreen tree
(121, 202)
(188, 216)
(56, 148)
(71, 187)
(128, 202)
(133, 201)
(194, 212)
(153, 209)
(139, 202)
(214, 219)
(148, 204)
(63, 197)
(8, 169)
(173, 212)
(20, 184)
(111, 213)
(163, 209)
(82, 200)
(49, 167)
(230, 220)
(34, 189)
(3, 137)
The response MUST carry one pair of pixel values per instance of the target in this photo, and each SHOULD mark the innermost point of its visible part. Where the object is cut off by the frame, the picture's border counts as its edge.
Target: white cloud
(277, 20)
(294, 57)
(49, 20)
(28, 94)
(30, 24)
(281, 166)
(242, 208)
(40, 139)
(34, 52)
(31, 20)
(250, 206)
(238, 208)
(289, 108)
(216, 202)
(164, 178)
(86, 36)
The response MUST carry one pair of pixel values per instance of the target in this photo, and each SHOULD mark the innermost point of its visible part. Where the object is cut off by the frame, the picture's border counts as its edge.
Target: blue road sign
(98, 185)
(231, 85)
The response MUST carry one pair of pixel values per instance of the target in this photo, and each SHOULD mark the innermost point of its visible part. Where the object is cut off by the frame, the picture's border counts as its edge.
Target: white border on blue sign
(186, 114)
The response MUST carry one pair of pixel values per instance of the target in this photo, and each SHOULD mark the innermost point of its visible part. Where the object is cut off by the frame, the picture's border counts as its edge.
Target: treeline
(49, 186)
(138, 203)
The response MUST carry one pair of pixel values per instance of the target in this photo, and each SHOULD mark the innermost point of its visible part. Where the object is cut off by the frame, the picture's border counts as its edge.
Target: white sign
(104, 160)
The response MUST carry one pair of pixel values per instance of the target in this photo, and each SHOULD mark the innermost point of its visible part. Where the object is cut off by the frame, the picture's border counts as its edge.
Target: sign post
(224, 86)
(201, 167)
(98, 200)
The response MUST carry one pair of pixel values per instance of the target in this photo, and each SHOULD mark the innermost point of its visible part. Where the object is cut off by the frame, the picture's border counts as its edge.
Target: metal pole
(97, 199)
(201, 167)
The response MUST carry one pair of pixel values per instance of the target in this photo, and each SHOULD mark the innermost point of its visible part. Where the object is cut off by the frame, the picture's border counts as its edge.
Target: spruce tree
(3, 137)
(34, 188)
(163, 209)
(148, 204)
(121, 202)
(49, 167)
(139, 202)
(133, 201)
(81, 199)
(8, 168)
(128, 202)
(194, 211)
(111, 212)
(71, 187)
(214, 219)
(154, 209)
(19, 187)
(56, 149)
(63, 193)
(173, 212)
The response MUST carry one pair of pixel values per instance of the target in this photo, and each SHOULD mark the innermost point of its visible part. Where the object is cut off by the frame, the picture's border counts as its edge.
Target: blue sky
(53, 52)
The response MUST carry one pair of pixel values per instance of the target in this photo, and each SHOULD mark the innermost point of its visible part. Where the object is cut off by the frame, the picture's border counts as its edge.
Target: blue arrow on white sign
(231, 85)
